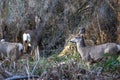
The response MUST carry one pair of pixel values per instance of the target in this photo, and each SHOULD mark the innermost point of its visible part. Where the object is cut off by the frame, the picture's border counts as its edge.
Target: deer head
(79, 38)
(37, 20)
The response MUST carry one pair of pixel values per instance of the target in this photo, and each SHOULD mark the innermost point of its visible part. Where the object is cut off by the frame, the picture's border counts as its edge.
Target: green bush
(109, 63)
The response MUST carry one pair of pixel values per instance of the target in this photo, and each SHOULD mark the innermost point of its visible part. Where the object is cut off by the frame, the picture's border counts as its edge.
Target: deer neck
(39, 29)
(80, 45)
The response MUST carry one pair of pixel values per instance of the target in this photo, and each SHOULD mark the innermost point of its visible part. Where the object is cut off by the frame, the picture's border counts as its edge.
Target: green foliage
(56, 58)
(109, 63)
(43, 66)
(118, 58)
(46, 63)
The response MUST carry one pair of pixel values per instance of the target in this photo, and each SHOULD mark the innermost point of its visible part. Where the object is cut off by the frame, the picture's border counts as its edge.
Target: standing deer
(94, 53)
(32, 38)
(11, 51)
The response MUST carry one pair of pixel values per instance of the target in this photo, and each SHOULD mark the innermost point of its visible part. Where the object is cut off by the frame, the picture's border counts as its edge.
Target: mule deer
(94, 53)
(32, 38)
(11, 50)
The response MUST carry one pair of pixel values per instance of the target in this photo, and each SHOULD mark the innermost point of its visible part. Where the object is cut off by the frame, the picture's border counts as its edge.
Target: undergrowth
(108, 63)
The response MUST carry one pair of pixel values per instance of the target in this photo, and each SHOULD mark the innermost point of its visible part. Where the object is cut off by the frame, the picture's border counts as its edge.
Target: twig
(22, 77)
(99, 27)
(18, 30)
(5, 73)
(4, 61)
(110, 4)
(27, 69)
(35, 66)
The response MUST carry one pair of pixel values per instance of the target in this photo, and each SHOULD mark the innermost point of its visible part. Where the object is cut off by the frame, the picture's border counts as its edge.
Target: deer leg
(14, 65)
(35, 53)
(38, 53)
(32, 51)
(37, 56)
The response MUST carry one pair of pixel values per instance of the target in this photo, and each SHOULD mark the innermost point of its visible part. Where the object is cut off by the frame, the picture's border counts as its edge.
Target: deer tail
(118, 46)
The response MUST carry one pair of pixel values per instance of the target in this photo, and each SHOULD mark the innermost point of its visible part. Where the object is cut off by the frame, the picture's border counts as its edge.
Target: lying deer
(32, 38)
(94, 53)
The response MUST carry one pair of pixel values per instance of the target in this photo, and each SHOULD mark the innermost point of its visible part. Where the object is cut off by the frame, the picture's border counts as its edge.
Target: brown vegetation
(62, 18)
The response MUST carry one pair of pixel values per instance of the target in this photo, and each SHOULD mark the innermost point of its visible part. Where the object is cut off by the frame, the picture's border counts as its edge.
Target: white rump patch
(26, 37)
(118, 46)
